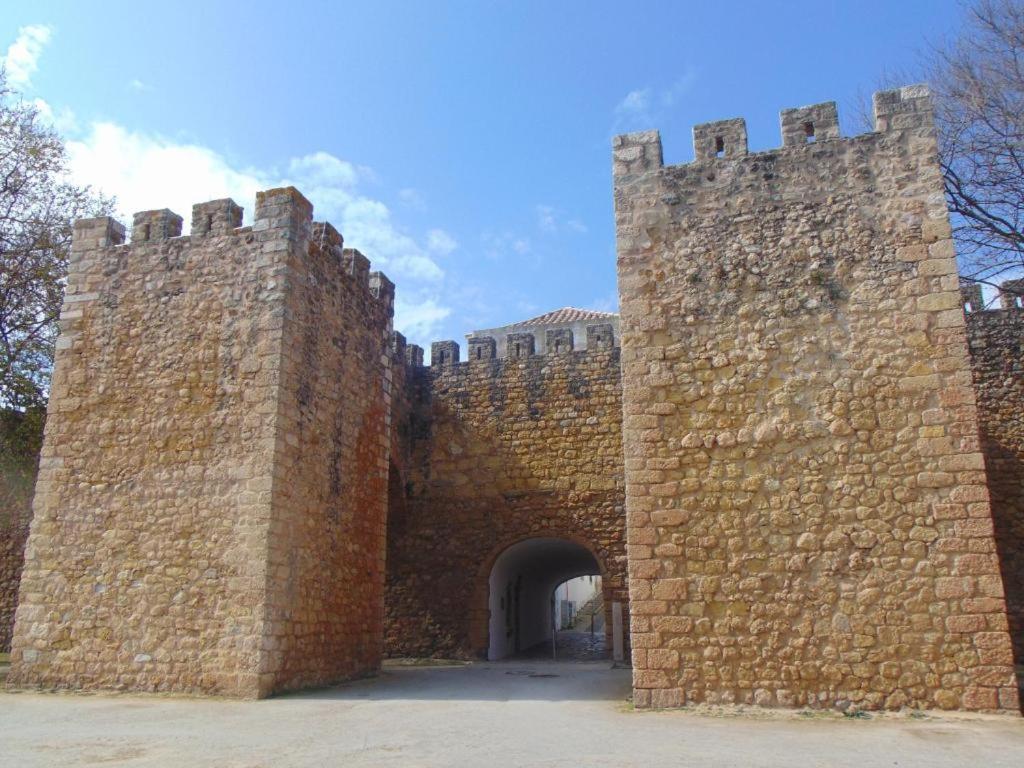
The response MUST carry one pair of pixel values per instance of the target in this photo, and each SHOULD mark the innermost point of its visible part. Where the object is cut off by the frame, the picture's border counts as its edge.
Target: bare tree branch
(978, 82)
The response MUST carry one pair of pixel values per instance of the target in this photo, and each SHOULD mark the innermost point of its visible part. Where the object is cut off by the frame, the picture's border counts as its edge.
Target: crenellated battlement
(725, 140)
(522, 347)
(282, 216)
(1011, 296)
(148, 226)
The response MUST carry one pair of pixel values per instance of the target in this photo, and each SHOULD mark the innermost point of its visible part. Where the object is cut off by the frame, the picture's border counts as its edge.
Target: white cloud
(22, 58)
(526, 308)
(643, 107)
(412, 198)
(546, 218)
(419, 319)
(607, 303)
(440, 242)
(137, 85)
(671, 95)
(636, 102)
(550, 219)
(496, 245)
(324, 169)
(63, 120)
(147, 171)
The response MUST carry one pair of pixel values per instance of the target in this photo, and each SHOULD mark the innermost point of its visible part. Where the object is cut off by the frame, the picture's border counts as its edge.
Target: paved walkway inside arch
(524, 713)
(571, 645)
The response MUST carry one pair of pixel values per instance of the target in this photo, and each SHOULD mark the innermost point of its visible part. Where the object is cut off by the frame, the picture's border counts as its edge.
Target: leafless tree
(978, 81)
(38, 206)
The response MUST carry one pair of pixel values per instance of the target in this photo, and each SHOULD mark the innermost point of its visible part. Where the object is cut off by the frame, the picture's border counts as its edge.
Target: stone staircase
(594, 607)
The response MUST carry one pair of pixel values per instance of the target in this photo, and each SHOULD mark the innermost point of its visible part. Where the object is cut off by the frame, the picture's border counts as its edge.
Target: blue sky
(464, 147)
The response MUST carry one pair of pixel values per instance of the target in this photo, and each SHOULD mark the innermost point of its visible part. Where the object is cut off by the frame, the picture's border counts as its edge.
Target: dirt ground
(521, 713)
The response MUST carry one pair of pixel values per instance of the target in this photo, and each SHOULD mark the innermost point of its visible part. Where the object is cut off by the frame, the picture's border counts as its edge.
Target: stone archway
(546, 559)
(520, 587)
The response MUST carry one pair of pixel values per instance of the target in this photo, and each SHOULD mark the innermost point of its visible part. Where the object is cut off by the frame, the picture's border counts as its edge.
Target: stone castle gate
(250, 484)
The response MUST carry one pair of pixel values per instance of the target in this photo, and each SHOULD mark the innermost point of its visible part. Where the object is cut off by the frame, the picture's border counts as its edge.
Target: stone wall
(20, 440)
(995, 339)
(12, 555)
(807, 516)
(502, 450)
(325, 601)
(217, 432)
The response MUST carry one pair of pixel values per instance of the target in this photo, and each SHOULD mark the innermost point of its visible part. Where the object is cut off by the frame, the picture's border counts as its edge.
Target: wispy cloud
(137, 85)
(606, 303)
(546, 218)
(412, 198)
(498, 246)
(552, 220)
(679, 88)
(635, 105)
(22, 58)
(642, 108)
(440, 242)
(63, 120)
(419, 320)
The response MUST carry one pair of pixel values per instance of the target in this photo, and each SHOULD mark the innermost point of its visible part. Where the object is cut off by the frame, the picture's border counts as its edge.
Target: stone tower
(210, 510)
(807, 516)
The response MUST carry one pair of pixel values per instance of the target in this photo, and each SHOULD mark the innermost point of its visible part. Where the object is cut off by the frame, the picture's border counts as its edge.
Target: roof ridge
(566, 315)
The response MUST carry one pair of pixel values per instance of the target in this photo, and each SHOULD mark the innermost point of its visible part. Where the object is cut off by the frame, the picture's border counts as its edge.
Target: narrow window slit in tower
(479, 353)
(209, 222)
(145, 232)
(719, 146)
(809, 132)
(517, 350)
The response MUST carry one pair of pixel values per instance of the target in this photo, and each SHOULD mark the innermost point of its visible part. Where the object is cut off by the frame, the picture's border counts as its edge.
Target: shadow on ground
(517, 680)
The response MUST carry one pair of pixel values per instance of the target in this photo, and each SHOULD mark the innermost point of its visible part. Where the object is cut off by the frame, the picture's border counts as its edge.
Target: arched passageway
(521, 589)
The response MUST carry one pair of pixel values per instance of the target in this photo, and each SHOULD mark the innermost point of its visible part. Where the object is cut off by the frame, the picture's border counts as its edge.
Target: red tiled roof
(567, 315)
